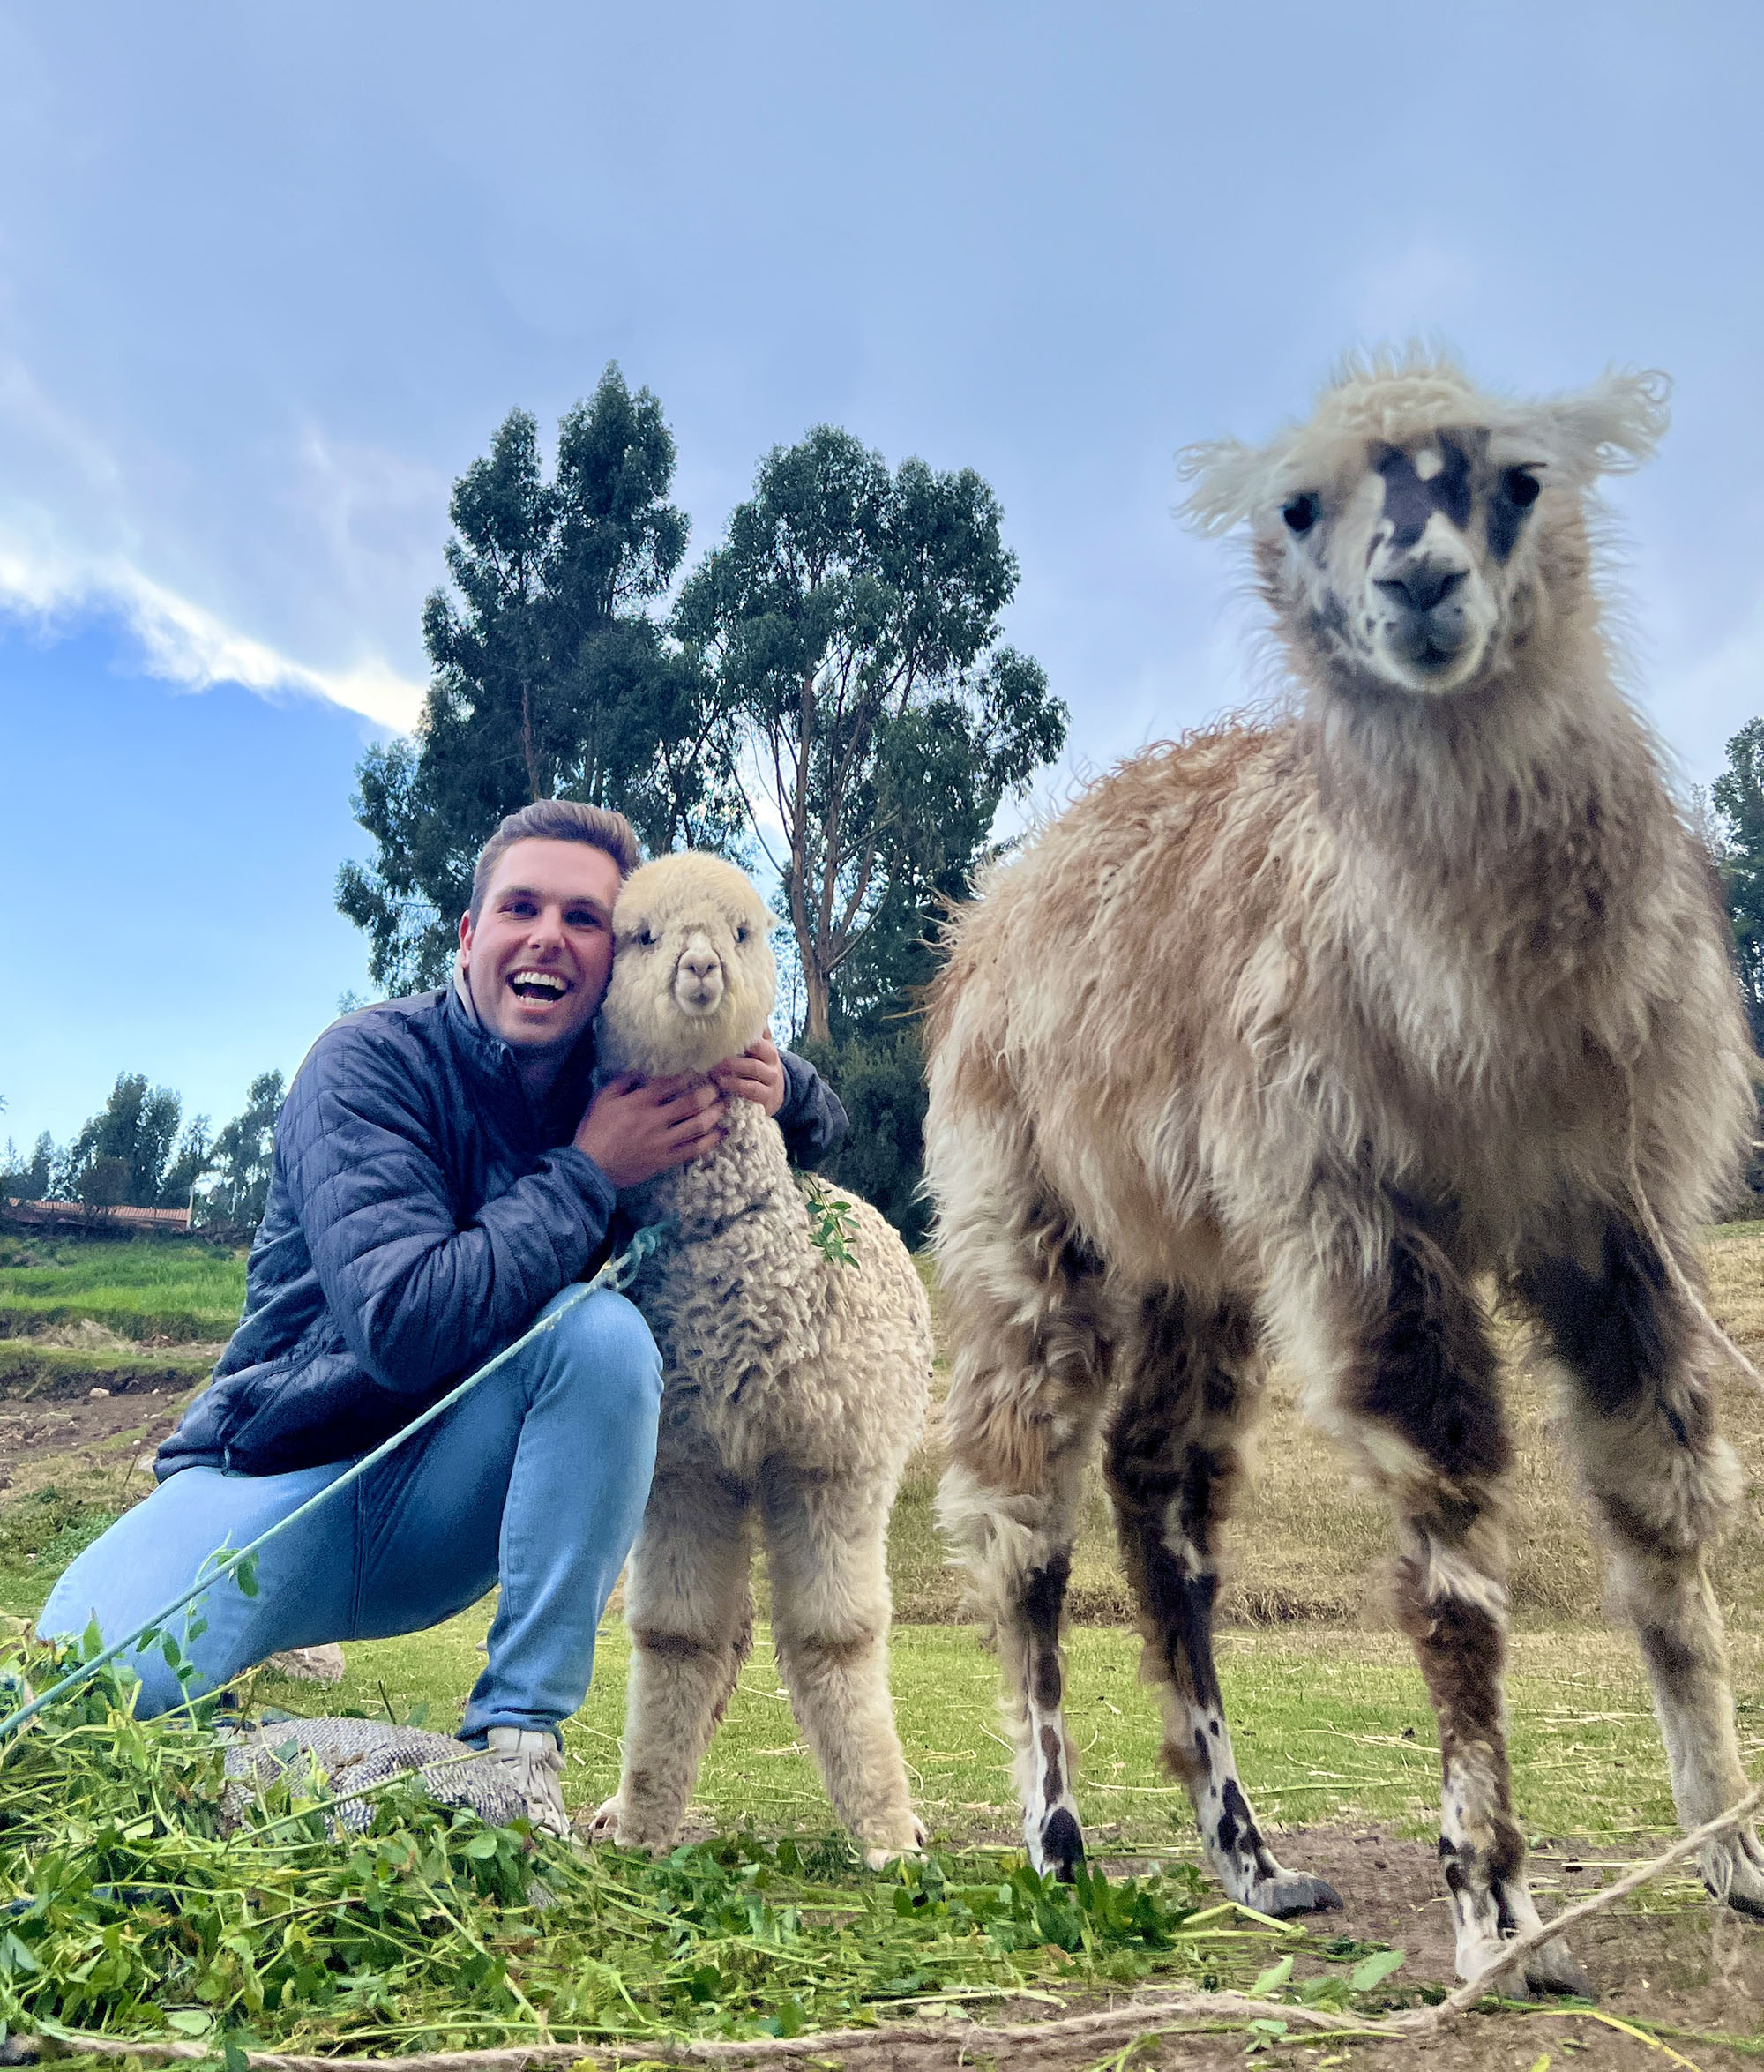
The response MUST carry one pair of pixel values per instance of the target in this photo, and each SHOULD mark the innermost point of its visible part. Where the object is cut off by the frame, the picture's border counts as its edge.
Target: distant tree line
(138, 1152)
(829, 700)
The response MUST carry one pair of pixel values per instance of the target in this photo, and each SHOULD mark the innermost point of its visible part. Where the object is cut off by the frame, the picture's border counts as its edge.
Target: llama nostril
(1421, 585)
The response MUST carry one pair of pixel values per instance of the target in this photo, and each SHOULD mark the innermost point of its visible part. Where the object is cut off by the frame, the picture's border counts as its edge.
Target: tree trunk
(815, 1028)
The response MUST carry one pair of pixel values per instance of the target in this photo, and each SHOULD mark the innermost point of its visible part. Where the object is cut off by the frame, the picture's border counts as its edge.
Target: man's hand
(634, 1130)
(757, 1075)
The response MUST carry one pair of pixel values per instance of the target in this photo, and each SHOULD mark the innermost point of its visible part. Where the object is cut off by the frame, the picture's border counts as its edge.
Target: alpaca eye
(741, 933)
(1301, 513)
(646, 938)
(1520, 488)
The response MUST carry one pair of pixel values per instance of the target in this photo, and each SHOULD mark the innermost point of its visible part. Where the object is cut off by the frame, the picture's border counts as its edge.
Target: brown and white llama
(1284, 1035)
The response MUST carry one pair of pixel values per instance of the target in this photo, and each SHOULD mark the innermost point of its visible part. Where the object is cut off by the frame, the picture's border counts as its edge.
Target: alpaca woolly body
(794, 1388)
(1324, 1018)
(773, 1352)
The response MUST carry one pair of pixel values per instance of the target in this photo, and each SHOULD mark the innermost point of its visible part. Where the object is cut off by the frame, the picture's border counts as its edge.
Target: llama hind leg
(1399, 1365)
(1642, 1421)
(1030, 1374)
(690, 1610)
(825, 1543)
(1172, 1458)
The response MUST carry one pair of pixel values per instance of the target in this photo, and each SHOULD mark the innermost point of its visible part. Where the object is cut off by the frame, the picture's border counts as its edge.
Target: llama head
(1416, 533)
(692, 976)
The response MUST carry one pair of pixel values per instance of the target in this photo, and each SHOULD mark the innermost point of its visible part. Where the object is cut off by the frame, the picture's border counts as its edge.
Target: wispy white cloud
(181, 642)
(73, 541)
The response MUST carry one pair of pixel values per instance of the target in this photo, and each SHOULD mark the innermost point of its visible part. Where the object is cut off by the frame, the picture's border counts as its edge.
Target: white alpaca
(796, 1388)
(1286, 1034)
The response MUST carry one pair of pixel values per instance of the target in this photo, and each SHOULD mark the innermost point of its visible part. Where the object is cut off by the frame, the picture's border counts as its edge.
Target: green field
(145, 1289)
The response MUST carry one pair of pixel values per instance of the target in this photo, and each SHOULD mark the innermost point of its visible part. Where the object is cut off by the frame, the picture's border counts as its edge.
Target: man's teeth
(548, 983)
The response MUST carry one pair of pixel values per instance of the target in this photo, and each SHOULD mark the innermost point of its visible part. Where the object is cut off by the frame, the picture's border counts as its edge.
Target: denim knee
(605, 1344)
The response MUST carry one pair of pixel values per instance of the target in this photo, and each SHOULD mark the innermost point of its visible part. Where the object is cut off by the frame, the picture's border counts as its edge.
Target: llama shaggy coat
(1282, 1036)
(794, 1389)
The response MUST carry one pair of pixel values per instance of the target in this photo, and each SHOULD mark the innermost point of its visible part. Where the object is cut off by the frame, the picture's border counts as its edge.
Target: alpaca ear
(1232, 481)
(1608, 429)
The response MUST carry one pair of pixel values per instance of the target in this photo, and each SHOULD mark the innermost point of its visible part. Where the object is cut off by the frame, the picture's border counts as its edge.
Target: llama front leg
(1172, 1460)
(825, 1543)
(690, 1610)
(1399, 1365)
(1642, 1418)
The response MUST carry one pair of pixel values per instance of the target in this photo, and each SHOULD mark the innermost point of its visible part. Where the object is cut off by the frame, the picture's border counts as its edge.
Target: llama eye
(1301, 513)
(1520, 488)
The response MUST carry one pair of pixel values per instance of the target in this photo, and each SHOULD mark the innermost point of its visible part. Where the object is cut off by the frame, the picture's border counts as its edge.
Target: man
(443, 1171)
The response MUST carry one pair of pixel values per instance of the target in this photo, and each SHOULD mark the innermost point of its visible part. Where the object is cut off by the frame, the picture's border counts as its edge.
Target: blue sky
(269, 278)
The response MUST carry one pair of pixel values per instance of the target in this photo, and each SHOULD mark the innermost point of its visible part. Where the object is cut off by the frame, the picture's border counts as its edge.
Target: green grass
(1329, 1726)
(146, 1288)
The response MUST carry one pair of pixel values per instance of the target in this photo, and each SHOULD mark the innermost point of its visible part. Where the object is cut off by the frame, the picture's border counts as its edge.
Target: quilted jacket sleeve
(418, 1298)
(812, 1118)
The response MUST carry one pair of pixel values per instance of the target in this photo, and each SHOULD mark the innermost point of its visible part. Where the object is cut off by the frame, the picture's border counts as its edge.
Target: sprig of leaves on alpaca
(830, 1230)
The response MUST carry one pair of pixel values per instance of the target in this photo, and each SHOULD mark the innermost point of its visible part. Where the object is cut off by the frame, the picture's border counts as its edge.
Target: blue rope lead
(615, 1274)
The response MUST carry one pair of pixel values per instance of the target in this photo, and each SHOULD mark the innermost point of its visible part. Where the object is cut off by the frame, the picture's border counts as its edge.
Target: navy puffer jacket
(421, 1211)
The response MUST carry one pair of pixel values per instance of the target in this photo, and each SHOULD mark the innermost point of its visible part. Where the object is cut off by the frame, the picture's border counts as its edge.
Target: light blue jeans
(535, 1481)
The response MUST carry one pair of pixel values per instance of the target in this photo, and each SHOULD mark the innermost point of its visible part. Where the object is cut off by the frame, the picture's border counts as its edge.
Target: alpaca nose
(1422, 584)
(699, 961)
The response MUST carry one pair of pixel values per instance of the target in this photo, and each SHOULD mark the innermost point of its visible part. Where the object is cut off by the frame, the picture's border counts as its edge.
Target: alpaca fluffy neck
(747, 1170)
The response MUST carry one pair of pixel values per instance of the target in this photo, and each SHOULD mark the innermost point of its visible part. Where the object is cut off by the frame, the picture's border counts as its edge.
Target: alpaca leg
(691, 1615)
(1665, 1484)
(1029, 1377)
(1399, 1365)
(1172, 1460)
(825, 1543)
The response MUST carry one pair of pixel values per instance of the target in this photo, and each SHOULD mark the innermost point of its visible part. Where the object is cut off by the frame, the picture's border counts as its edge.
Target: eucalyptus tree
(549, 675)
(850, 625)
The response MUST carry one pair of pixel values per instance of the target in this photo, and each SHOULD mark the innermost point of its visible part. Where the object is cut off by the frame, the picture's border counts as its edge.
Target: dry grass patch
(1307, 1545)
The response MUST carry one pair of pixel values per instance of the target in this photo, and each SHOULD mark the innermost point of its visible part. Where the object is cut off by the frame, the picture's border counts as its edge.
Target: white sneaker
(536, 1764)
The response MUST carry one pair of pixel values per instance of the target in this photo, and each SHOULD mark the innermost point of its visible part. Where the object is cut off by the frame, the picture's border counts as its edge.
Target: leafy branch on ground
(143, 1895)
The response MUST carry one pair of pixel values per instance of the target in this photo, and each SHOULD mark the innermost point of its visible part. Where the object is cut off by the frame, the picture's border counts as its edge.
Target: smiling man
(444, 1170)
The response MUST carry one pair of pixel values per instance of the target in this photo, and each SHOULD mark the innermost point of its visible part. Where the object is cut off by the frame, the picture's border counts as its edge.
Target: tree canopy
(1737, 796)
(242, 1153)
(850, 623)
(134, 1150)
(550, 678)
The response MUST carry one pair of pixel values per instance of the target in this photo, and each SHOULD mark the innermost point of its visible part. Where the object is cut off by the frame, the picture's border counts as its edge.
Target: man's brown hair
(555, 819)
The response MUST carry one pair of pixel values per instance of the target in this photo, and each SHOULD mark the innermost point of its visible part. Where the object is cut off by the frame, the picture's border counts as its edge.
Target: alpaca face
(692, 977)
(1416, 533)
(1410, 571)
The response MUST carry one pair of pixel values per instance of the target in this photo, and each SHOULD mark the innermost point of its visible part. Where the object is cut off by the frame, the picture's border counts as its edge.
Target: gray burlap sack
(342, 1758)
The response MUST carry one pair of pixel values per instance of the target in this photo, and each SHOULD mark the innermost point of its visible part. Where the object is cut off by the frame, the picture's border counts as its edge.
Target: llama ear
(1232, 482)
(1608, 429)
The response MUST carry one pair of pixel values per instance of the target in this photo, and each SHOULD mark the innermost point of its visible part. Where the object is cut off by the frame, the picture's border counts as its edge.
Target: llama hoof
(1733, 1870)
(1551, 1969)
(1292, 1892)
(1554, 1968)
(1059, 1850)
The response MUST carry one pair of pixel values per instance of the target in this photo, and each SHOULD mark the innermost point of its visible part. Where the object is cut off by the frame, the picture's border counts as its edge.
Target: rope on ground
(1149, 2014)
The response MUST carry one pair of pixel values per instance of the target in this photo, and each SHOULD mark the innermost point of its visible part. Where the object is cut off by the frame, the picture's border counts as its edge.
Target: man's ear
(465, 940)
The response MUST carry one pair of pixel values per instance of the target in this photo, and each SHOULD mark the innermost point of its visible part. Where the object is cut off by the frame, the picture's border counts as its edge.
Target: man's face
(537, 959)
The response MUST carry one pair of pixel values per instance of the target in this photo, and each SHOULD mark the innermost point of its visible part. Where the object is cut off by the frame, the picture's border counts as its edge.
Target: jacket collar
(487, 1057)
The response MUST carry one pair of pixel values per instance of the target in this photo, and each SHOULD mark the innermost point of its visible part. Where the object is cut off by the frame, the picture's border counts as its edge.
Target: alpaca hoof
(1059, 1850)
(878, 1855)
(601, 1825)
(1292, 1892)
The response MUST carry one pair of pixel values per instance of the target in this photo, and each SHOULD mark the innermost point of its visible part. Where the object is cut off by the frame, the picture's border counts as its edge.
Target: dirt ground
(43, 1435)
